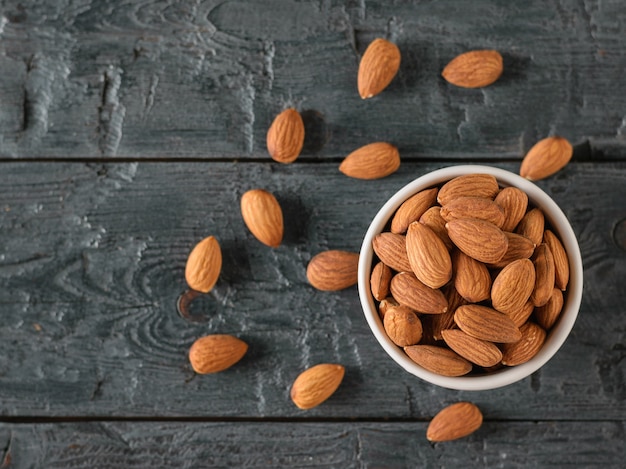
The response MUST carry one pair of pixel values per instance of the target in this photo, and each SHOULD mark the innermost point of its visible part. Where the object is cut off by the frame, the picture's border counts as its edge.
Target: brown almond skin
(561, 262)
(378, 67)
(439, 360)
(547, 314)
(520, 247)
(455, 421)
(409, 291)
(513, 286)
(486, 323)
(544, 275)
(546, 157)
(514, 203)
(468, 185)
(412, 209)
(479, 239)
(263, 216)
(372, 161)
(316, 384)
(532, 226)
(380, 280)
(333, 270)
(432, 219)
(479, 352)
(474, 69)
(429, 258)
(402, 326)
(215, 353)
(471, 278)
(521, 315)
(285, 137)
(526, 348)
(385, 305)
(439, 322)
(391, 250)
(473, 207)
(204, 265)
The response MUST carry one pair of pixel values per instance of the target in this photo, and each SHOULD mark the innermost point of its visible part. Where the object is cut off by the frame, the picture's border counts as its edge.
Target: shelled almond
(469, 276)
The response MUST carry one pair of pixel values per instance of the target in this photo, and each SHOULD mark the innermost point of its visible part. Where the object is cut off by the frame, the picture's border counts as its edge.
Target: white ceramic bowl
(558, 333)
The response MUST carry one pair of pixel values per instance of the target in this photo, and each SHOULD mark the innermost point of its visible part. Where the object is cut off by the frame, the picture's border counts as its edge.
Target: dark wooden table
(129, 131)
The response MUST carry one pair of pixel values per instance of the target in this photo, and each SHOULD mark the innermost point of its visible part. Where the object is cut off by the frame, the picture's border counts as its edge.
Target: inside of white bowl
(557, 335)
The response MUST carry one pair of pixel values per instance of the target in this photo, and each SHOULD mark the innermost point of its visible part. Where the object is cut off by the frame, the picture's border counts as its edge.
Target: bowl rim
(557, 335)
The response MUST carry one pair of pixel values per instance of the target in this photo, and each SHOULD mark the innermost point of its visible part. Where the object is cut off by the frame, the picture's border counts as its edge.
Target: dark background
(129, 131)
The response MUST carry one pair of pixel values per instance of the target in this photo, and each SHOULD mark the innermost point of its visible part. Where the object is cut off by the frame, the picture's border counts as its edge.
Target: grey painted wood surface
(204, 79)
(92, 264)
(93, 366)
(315, 445)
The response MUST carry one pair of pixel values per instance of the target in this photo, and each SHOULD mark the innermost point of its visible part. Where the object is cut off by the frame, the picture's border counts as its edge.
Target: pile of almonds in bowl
(470, 277)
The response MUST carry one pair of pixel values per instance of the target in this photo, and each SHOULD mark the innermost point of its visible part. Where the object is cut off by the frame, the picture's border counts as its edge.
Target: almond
(473, 207)
(439, 360)
(455, 421)
(468, 185)
(428, 256)
(546, 157)
(439, 322)
(547, 314)
(391, 250)
(477, 351)
(561, 262)
(333, 270)
(479, 239)
(214, 353)
(204, 265)
(514, 203)
(412, 209)
(409, 291)
(486, 323)
(471, 278)
(263, 216)
(432, 219)
(544, 275)
(378, 66)
(526, 348)
(372, 161)
(385, 305)
(513, 286)
(316, 384)
(379, 281)
(474, 69)
(402, 326)
(521, 315)
(285, 136)
(520, 247)
(532, 226)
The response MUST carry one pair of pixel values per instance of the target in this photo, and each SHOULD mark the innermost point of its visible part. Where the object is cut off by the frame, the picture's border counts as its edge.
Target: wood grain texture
(91, 264)
(205, 79)
(320, 445)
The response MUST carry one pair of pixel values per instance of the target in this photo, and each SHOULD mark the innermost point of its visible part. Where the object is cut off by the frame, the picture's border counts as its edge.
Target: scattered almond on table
(263, 216)
(215, 353)
(285, 137)
(316, 384)
(378, 66)
(474, 69)
(204, 265)
(455, 421)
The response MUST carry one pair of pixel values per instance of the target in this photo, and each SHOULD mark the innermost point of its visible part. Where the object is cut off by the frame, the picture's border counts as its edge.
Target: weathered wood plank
(319, 445)
(204, 79)
(91, 264)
